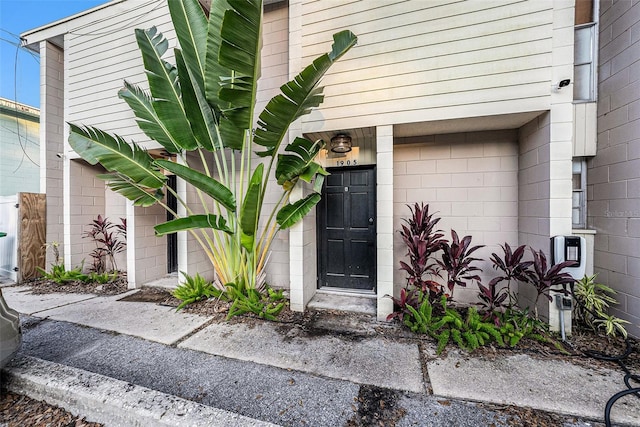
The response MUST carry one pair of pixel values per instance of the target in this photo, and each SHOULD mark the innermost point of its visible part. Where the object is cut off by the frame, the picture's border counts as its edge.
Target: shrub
(194, 289)
(108, 242)
(592, 301)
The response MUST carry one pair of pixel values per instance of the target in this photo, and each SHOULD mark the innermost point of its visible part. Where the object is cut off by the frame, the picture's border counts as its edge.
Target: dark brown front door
(347, 230)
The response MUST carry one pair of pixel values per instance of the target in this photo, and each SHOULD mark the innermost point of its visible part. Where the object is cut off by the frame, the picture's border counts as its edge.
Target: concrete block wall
(87, 196)
(275, 73)
(52, 141)
(613, 176)
(470, 180)
(115, 207)
(150, 251)
(193, 259)
(533, 190)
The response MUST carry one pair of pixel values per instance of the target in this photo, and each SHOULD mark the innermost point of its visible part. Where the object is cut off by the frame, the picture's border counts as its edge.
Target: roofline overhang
(54, 31)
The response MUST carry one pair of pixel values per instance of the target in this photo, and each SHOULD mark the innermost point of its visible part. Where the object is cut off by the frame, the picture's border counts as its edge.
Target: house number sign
(348, 159)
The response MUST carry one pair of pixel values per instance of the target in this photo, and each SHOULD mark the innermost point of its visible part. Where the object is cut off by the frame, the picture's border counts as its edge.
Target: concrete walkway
(164, 366)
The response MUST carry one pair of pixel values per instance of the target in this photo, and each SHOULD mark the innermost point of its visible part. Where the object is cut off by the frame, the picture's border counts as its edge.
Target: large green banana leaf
(214, 70)
(291, 213)
(199, 113)
(163, 84)
(191, 24)
(210, 186)
(192, 222)
(140, 196)
(298, 162)
(116, 155)
(251, 208)
(147, 119)
(239, 51)
(298, 97)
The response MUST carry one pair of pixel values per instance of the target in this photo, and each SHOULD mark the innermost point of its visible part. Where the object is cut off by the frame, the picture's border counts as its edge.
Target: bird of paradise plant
(202, 111)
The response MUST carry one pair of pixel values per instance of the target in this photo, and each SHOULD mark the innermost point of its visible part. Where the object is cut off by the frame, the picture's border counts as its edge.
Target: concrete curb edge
(110, 401)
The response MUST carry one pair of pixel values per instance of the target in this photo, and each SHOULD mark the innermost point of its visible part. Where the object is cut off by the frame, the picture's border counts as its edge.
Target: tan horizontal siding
(101, 56)
(417, 56)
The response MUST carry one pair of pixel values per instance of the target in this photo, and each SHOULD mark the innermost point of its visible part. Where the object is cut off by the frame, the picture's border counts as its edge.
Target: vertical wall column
(561, 137)
(299, 293)
(384, 214)
(52, 140)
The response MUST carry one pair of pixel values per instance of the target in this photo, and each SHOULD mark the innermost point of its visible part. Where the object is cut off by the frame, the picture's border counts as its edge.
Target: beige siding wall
(431, 60)
(614, 174)
(19, 151)
(100, 56)
(470, 181)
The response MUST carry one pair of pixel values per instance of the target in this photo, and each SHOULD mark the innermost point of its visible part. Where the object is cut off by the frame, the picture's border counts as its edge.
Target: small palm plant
(202, 111)
(593, 300)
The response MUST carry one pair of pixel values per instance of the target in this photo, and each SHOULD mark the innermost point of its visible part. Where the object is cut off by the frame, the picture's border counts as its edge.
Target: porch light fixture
(341, 143)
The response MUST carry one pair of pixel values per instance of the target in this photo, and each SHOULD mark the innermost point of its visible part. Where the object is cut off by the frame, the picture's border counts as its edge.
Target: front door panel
(346, 230)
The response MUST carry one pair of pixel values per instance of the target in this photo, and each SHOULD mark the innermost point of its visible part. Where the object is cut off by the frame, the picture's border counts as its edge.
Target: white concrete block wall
(470, 180)
(275, 72)
(114, 209)
(87, 195)
(150, 251)
(385, 196)
(51, 135)
(533, 189)
(614, 174)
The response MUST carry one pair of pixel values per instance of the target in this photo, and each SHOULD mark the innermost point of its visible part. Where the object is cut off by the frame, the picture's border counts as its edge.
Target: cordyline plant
(202, 111)
(456, 261)
(422, 240)
(108, 242)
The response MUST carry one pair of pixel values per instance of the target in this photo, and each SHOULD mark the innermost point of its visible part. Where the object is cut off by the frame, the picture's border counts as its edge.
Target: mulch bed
(21, 411)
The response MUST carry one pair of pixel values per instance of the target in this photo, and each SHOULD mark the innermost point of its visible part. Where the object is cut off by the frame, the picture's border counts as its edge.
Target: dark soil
(376, 407)
(21, 411)
(43, 286)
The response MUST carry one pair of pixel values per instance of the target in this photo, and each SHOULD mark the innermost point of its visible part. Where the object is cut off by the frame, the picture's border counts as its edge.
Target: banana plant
(202, 111)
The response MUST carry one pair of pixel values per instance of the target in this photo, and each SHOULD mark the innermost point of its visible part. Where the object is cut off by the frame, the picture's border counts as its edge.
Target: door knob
(371, 220)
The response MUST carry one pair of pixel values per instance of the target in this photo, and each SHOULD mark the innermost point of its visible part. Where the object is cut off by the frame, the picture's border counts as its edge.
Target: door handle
(370, 220)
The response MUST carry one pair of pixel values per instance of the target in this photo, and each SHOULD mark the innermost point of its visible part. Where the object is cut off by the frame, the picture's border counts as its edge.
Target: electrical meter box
(570, 248)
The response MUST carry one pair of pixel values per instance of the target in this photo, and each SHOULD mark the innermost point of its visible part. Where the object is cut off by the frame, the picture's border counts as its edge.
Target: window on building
(585, 47)
(579, 204)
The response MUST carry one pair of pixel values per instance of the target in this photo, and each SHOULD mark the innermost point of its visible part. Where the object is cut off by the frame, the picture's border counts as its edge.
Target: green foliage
(101, 278)
(201, 110)
(612, 325)
(193, 289)
(420, 321)
(593, 300)
(108, 241)
(265, 305)
(60, 274)
(468, 333)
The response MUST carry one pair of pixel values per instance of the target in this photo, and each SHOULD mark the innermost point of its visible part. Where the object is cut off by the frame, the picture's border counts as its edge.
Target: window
(579, 203)
(585, 48)
(584, 72)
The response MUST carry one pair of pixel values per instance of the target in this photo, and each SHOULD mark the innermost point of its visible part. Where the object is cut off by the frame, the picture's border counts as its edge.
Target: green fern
(266, 306)
(194, 289)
